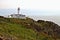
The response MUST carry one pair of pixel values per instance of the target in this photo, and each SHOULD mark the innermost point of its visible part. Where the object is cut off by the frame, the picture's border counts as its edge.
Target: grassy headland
(28, 29)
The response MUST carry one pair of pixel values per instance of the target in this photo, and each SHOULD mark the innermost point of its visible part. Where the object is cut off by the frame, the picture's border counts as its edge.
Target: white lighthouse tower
(18, 15)
(18, 10)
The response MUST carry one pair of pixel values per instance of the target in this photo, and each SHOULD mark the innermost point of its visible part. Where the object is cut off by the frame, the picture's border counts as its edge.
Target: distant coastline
(55, 19)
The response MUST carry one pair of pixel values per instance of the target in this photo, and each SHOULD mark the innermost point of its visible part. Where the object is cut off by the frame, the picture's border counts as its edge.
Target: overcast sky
(45, 5)
(31, 4)
(33, 7)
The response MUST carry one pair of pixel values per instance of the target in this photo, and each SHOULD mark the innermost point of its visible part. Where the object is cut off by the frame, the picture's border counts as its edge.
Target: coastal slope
(28, 29)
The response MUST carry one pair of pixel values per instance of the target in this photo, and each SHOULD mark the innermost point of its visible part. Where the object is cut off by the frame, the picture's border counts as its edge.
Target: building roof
(17, 15)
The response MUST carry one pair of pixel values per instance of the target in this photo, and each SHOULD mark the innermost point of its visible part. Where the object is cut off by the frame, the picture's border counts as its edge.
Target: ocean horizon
(54, 19)
(36, 15)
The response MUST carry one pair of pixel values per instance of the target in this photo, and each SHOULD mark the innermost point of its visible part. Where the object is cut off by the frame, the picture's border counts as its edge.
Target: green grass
(17, 29)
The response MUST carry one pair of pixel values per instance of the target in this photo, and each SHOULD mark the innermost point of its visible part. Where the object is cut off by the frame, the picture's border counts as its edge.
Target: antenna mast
(18, 9)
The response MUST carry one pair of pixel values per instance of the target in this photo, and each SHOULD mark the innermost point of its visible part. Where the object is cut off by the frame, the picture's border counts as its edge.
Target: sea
(55, 19)
(33, 15)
